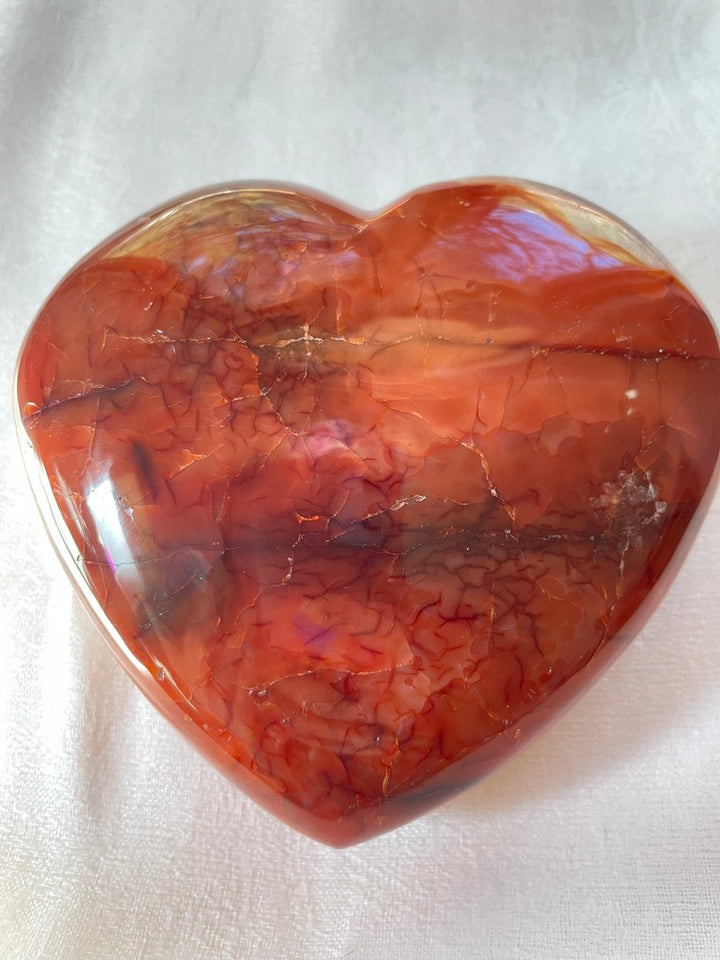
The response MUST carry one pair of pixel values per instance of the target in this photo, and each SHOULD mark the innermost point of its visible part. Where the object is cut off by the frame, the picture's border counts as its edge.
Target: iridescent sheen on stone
(369, 499)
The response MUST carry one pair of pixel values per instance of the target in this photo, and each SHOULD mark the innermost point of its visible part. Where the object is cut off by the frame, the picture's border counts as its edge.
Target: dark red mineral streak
(363, 502)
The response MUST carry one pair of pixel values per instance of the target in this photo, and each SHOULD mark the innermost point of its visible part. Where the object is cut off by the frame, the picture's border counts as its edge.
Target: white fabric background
(116, 840)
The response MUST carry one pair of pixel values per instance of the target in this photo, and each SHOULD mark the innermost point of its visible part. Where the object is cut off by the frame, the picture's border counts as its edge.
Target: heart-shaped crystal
(363, 501)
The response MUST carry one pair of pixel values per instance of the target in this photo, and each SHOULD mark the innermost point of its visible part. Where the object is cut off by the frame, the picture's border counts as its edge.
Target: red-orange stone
(367, 500)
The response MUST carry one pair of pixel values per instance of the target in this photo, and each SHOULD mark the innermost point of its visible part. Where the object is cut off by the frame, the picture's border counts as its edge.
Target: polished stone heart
(361, 503)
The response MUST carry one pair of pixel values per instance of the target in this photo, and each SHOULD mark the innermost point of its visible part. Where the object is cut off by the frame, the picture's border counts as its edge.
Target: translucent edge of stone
(64, 546)
(159, 218)
(596, 223)
(583, 216)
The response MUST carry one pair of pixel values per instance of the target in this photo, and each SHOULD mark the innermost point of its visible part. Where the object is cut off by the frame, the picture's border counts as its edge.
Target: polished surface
(370, 499)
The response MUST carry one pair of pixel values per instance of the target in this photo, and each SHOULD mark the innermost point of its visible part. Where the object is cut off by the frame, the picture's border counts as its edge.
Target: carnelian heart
(368, 500)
